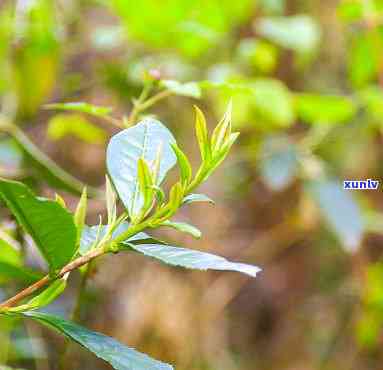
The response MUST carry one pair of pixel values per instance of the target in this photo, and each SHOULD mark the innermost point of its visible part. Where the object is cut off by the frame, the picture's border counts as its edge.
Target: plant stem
(80, 261)
(75, 264)
(142, 105)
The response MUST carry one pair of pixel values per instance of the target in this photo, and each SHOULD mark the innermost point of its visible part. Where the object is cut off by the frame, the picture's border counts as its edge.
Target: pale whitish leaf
(89, 235)
(191, 198)
(190, 89)
(339, 210)
(124, 150)
(184, 227)
(94, 110)
(106, 348)
(300, 33)
(191, 259)
(57, 239)
(279, 162)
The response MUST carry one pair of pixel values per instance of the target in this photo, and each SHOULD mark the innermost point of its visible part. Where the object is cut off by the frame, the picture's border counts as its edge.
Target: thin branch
(80, 261)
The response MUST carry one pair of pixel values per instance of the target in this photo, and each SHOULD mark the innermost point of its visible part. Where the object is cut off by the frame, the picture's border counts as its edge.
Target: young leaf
(145, 181)
(60, 200)
(44, 298)
(202, 134)
(124, 150)
(80, 214)
(51, 226)
(189, 258)
(106, 348)
(81, 107)
(223, 130)
(184, 227)
(111, 200)
(184, 164)
(191, 198)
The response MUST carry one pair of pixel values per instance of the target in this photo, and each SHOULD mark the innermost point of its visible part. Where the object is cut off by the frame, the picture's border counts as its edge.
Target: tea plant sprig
(138, 160)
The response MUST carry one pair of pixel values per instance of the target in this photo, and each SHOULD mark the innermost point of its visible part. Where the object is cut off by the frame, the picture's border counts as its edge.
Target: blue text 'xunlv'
(361, 184)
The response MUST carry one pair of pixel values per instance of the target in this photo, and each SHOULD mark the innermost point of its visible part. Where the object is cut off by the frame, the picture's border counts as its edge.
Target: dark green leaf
(50, 225)
(106, 348)
(143, 140)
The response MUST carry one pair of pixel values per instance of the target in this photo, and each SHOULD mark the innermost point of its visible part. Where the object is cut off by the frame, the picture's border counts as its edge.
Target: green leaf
(9, 251)
(259, 54)
(106, 348)
(279, 162)
(322, 109)
(190, 89)
(202, 134)
(273, 102)
(339, 210)
(364, 59)
(94, 110)
(191, 198)
(184, 227)
(222, 131)
(140, 141)
(300, 33)
(50, 225)
(80, 214)
(184, 164)
(372, 98)
(11, 263)
(62, 125)
(43, 299)
(10, 272)
(189, 258)
(145, 180)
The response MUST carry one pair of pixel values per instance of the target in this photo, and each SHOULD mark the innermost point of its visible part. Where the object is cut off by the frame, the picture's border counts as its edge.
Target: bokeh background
(306, 79)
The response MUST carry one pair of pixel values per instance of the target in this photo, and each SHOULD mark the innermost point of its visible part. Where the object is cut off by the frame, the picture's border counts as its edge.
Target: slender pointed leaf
(184, 227)
(191, 198)
(189, 258)
(106, 348)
